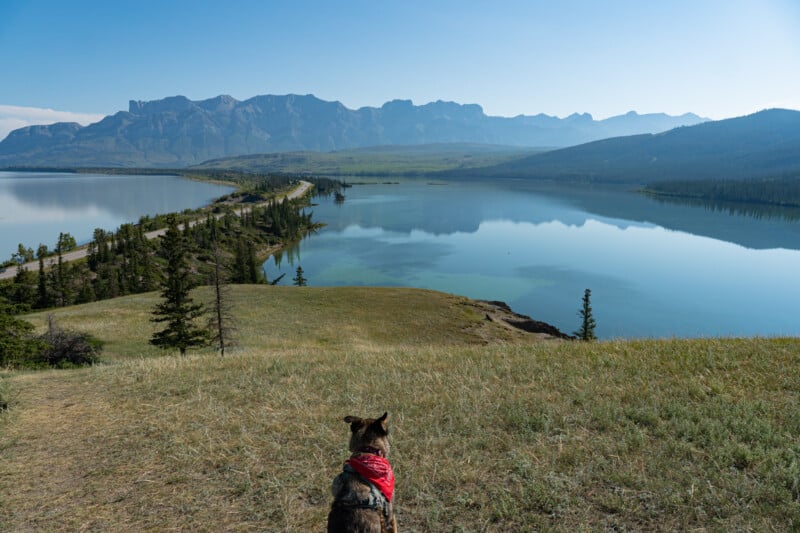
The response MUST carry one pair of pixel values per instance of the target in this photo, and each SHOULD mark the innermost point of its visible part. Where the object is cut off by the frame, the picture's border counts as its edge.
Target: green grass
(490, 430)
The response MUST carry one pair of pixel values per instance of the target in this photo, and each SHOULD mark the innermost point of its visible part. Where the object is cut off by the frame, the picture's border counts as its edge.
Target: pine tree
(43, 295)
(253, 273)
(221, 325)
(177, 309)
(299, 280)
(588, 324)
(63, 293)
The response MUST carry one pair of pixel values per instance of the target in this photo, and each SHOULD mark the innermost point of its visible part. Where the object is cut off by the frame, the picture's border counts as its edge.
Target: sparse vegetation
(490, 431)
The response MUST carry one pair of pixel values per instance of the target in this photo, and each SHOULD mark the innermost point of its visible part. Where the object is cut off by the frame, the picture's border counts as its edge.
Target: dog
(362, 493)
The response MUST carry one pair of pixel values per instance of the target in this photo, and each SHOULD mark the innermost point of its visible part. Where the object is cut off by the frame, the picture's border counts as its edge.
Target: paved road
(82, 252)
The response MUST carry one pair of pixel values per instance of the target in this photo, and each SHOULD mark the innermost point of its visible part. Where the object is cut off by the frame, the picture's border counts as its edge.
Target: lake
(36, 206)
(655, 269)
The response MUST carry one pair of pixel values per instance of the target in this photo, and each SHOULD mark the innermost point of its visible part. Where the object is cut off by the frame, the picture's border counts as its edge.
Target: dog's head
(368, 433)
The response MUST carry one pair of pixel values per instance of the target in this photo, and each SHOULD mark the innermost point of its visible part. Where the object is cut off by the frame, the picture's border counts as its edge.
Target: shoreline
(82, 251)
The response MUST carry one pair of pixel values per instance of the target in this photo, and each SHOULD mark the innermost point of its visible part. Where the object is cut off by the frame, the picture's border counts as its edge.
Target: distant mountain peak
(171, 103)
(177, 131)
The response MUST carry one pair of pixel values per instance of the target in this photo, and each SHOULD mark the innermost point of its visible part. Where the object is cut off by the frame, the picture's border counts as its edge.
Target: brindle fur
(366, 433)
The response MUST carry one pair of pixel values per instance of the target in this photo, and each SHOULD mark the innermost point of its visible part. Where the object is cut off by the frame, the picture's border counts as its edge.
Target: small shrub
(65, 348)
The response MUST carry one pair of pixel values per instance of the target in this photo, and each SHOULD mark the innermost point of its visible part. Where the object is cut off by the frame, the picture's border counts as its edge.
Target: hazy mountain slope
(384, 160)
(176, 131)
(763, 144)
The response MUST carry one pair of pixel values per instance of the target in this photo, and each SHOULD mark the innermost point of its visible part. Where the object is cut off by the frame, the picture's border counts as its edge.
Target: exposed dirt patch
(501, 313)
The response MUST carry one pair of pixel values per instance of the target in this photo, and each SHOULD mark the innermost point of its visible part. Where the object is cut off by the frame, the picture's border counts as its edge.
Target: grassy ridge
(490, 432)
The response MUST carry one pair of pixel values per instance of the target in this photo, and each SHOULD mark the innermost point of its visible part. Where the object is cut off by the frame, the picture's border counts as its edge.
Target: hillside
(490, 431)
(764, 144)
(176, 131)
(389, 160)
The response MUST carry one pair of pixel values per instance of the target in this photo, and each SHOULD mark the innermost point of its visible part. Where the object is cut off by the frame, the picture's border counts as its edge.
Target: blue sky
(716, 58)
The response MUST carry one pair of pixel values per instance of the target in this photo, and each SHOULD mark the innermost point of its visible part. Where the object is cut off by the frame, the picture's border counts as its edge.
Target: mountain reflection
(463, 206)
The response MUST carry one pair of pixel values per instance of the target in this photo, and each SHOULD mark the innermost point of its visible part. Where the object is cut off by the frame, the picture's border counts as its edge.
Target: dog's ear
(380, 424)
(354, 422)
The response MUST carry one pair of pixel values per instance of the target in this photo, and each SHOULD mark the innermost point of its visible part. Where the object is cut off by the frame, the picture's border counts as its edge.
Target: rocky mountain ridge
(176, 131)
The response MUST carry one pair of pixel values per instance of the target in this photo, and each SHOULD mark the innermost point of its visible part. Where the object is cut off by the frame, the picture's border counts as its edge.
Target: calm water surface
(655, 269)
(35, 207)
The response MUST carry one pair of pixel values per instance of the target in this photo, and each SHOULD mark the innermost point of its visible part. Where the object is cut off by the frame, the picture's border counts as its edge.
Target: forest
(780, 191)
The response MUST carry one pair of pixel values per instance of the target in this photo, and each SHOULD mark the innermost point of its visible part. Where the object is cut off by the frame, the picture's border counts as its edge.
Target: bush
(65, 348)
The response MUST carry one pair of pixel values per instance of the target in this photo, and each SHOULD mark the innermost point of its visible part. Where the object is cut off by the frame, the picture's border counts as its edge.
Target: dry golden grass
(505, 436)
(270, 318)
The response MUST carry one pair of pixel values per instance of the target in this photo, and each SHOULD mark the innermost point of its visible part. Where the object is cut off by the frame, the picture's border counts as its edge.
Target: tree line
(781, 191)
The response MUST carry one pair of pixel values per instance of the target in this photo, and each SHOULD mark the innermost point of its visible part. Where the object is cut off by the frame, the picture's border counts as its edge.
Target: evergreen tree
(588, 324)
(23, 289)
(239, 263)
(24, 255)
(17, 344)
(177, 309)
(299, 280)
(245, 263)
(253, 274)
(221, 325)
(43, 295)
(149, 272)
(63, 296)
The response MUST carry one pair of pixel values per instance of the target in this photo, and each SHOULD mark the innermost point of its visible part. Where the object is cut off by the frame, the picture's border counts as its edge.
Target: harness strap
(376, 501)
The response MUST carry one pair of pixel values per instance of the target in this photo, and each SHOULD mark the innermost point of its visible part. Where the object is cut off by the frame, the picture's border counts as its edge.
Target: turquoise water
(655, 269)
(36, 206)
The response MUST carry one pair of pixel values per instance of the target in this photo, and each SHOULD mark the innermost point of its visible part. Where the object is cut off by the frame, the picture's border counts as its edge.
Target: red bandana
(376, 470)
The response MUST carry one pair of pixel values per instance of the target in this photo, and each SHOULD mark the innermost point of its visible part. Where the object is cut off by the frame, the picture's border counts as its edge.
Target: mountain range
(762, 145)
(177, 132)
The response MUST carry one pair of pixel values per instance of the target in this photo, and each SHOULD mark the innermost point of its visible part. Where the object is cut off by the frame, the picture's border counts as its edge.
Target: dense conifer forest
(781, 191)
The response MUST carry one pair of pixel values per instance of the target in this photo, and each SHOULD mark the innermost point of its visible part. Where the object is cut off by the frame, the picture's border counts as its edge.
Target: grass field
(492, 430)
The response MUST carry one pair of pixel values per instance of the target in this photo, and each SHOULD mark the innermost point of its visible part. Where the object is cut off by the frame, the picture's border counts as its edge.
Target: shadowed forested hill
(761, 145)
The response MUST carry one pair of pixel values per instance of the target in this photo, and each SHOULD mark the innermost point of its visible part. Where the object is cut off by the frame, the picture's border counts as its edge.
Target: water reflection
(760, 228)
(654, 269)
(460, 207)
(35, 207)
(791, 214)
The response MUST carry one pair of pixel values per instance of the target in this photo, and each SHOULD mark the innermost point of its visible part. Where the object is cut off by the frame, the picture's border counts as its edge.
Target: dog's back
(359, 505)
(356, 507)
